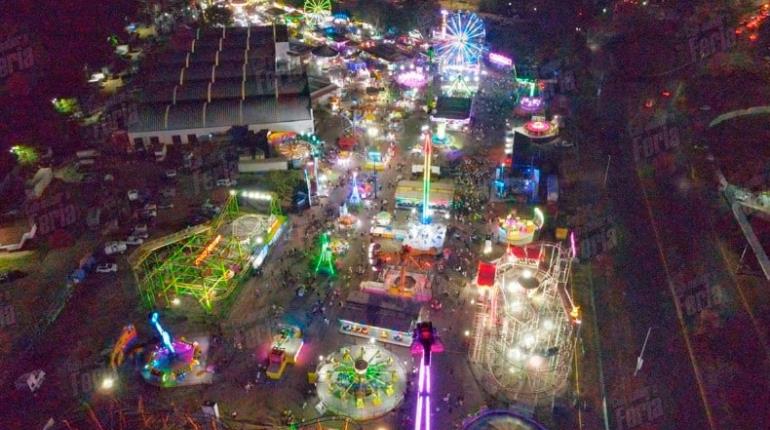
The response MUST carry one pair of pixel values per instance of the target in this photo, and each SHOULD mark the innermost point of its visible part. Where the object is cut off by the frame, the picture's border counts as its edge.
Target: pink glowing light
(412, 79)
(500, 60)
(537, 127)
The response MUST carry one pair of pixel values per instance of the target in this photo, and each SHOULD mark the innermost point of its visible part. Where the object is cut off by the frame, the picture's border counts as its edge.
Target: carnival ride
(317, 10)
(127, 338)
(514, 230)
(355, 193)
(361, 382)
(346, 220)
(296, 147)
(539, 128)
(423, 233)
(425, 342)
(285, 348)
(525, 328)
(325, 260)
(460, 43)
(176, 362)
(404, 273)
(412, 78)
(208, 261)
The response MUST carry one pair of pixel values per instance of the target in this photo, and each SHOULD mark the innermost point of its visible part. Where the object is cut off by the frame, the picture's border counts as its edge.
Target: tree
(218, 15)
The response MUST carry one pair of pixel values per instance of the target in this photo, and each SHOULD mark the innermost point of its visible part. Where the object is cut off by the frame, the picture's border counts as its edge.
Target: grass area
(23, 260)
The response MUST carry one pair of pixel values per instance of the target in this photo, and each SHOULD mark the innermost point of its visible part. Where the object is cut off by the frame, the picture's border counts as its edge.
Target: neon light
(418, 418)
(463, 42)
(164, 335)
(326, 259)
(355, 197)
(531, 104)
(572, 244)
(207, 250)
(422, 420)
(426, 150)
(500, 60)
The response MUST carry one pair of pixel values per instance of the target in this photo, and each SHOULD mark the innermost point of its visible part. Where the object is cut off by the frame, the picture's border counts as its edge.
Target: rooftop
(380, 311)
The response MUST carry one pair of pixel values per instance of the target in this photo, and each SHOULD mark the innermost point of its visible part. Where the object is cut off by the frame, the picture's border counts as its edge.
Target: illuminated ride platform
(361, 382)
(176, 362)
(526, 322)
(514, 230)
(538, 128)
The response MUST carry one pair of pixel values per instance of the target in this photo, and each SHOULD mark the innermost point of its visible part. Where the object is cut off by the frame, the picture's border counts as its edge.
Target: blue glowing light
(463, 44)
(164, 335)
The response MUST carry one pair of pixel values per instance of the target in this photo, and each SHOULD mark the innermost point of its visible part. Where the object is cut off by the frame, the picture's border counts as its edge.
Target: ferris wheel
(318, 8)
(462, 42)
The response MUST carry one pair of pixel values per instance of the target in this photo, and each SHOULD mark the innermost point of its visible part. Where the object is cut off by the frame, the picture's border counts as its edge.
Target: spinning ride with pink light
(412, 79)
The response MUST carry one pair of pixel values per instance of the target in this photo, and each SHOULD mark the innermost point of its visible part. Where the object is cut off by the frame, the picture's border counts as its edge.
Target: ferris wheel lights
(536, 361)
(526, 274)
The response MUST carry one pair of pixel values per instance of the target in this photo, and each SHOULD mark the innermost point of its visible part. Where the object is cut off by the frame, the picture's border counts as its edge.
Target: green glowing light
(325, 261)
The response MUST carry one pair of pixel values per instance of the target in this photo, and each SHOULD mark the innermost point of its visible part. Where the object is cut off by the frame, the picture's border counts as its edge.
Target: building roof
(189, 115)
(206, 87)
(453, 107)
(225, 89)
(380, 311)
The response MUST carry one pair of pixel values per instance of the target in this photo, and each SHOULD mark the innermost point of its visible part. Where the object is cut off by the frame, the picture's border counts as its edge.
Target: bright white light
(548, 325)
(107, 383)
(175, 301)
(514, 286)
(260, 240)
(528, 340)
(515, 306)
(467, 333)
(372, 340)
(320, 358)
(526, 274)
(372, 131)
(515, 354)
(447, 216)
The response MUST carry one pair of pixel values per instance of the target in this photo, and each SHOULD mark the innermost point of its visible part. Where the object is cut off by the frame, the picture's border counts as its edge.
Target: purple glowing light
(500, 60)
(531, 104)
(412, 79)
(422, 418)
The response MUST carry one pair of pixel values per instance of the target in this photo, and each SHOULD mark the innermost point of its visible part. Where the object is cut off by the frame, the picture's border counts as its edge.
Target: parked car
(133, 195)
(107, 268)
(140, 228)
(170, 173)
(168, 192)
(134, 240)
(114, 248)
(226, 182)
(167, 205)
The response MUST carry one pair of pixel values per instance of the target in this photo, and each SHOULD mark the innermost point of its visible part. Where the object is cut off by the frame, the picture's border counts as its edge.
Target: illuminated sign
(500, 60)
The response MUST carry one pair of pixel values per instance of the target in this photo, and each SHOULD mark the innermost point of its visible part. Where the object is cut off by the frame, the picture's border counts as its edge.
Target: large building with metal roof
(225, 77)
